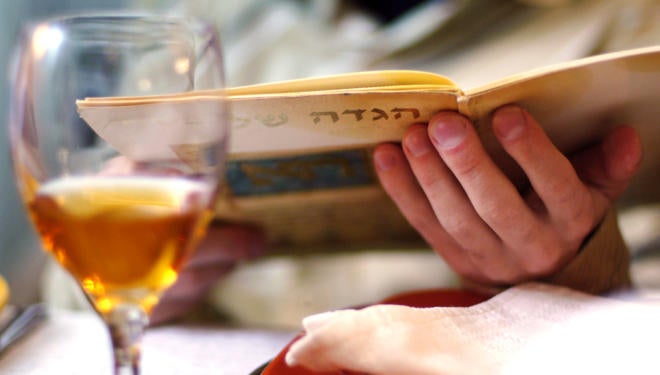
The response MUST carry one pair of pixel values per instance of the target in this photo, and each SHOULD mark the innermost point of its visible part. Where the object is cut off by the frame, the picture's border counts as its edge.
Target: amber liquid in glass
(123, 239)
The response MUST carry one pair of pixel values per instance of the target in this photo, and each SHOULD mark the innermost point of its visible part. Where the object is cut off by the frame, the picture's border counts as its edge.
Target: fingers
(565, 197)
(168, 310)
(467, 209)
(228, 242)
(514, 228)
(490, 192)
(387, 339)
(348, 340)
(192, 283)
(609, 166)
(223, 246)
(447, 198)
(188, 291)
(398, 180)
(317, 350)
(451, 205)
(622, 153)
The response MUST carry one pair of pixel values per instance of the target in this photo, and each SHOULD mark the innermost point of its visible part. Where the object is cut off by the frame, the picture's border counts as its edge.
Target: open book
(300, 150)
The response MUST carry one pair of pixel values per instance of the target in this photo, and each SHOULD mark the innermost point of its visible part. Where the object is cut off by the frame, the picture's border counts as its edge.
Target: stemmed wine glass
(122, 225)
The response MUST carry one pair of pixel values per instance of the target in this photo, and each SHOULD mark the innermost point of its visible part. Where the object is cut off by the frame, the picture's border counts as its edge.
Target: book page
(296, 156)
(288, 125)
(301, 168)
(325, 220)
(579, 103)
(299, 165)
(367, 81)
(160, 130)
(271, 123)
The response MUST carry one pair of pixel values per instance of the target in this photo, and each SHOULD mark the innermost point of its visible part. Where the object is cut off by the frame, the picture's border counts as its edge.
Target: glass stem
(126, 324)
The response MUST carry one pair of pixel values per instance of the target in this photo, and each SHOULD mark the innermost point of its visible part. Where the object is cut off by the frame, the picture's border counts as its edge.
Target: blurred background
(21, 258)
(471, 41)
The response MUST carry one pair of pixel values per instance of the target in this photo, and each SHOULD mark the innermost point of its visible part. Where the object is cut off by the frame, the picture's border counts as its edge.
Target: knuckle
(523, 234)
(426, 178)
(457, 227)
(528, 234)
(466, 270)
(568, 194)
(580, 222)
(495, 212)
(563, 190)
(500, 274)
(542, 260)
(465, 163)
(422, 224)
(491, 264)
(579, 229)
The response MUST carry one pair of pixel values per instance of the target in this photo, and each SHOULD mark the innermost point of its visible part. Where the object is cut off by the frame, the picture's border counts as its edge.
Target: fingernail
(417, 142)
(384, 160)
(509, 123)
(448, 131)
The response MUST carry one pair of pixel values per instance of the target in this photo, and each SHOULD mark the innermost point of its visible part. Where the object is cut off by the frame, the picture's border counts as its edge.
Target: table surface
(77, 343)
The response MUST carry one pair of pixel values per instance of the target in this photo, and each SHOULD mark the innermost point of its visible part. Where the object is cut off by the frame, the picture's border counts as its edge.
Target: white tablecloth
(77, 343)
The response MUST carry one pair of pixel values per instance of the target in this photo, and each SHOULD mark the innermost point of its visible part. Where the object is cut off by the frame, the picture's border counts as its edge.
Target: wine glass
(121, 224)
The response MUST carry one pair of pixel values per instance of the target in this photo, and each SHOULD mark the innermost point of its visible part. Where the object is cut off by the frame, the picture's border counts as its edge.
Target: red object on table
(422, 298)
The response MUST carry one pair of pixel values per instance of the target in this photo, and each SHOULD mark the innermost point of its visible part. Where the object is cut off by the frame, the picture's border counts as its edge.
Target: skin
(450, 190)
(224, 246)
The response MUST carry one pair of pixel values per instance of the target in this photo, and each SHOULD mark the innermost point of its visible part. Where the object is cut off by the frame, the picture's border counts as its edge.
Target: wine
(123, 238)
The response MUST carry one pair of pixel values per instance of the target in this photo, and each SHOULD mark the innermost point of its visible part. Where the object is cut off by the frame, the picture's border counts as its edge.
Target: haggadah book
(300, 151)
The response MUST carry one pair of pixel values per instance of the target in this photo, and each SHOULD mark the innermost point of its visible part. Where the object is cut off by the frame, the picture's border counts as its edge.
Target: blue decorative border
(331, 170)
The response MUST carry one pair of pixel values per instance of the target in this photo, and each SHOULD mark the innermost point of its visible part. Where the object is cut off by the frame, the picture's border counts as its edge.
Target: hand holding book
(300, 149)
(448, 187)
